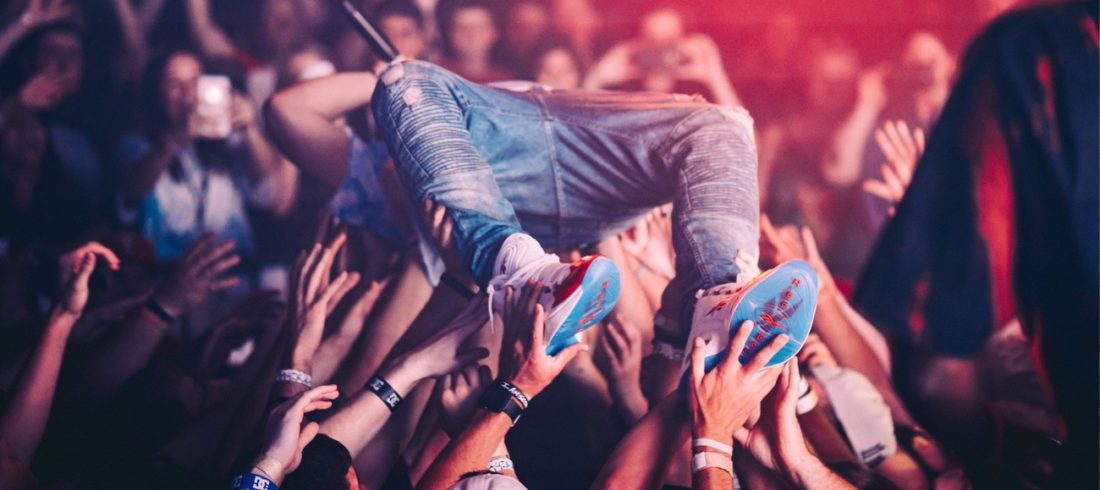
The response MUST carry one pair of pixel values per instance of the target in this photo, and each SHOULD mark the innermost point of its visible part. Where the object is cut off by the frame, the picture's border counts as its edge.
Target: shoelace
(520, 276)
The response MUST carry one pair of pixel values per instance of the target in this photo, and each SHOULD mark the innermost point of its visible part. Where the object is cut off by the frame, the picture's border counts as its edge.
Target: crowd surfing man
(520, 170)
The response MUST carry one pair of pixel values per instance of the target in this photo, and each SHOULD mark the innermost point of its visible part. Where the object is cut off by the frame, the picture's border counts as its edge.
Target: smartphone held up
(212, 118)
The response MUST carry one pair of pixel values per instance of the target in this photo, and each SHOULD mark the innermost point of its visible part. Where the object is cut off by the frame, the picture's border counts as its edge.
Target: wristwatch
(499, 398)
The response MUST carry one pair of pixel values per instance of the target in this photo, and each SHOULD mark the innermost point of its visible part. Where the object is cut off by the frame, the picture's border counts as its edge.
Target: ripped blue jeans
(574, 167)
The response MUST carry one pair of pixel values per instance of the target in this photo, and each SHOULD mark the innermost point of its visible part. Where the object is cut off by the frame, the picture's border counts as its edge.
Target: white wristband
(711, 460)
(711, 443)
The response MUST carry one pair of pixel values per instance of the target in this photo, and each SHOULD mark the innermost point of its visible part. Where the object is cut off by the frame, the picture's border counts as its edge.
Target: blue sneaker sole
(599, 293)
(772, 313)
(784, 302)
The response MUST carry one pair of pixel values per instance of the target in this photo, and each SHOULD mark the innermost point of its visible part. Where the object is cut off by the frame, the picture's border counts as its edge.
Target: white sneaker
(779, 301)
(579, 295)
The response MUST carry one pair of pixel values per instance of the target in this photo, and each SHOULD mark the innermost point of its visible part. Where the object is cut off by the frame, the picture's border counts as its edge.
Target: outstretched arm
(23, 423)
(526, 366)
(357, 423)
(127, 349)
(842, 165)
(303, 120)
(134, 51)
(642, 457)
(37, 13)
(211, 39)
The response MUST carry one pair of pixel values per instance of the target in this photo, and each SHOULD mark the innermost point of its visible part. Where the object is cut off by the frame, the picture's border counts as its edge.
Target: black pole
(378, 42)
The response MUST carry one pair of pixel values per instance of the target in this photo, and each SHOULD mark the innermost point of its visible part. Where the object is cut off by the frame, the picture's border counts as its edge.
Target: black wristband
(385, 392)
(519, 395)
(457, 286)
(500, 399)
(158, 310)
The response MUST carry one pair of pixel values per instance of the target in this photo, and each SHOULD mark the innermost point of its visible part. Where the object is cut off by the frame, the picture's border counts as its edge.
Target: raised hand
(43, 91)
(614, 68)
(74, 269)
(316, 294)
(721, 400)
(458, 393)
(787, 242)
(41, 12)
(776, 439)
(441, 227)
(815, 353)
(621, 362)
(523, 358)
(286, 437)
(704, 62)
(242, 114)
(198, 273)
(902, 148)
(650, 243)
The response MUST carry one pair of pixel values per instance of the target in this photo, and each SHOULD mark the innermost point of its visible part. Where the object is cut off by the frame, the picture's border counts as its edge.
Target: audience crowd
(180, 305)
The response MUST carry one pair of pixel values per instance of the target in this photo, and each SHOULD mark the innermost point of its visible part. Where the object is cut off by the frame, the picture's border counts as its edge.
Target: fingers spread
(885, 145)
(878, 189)
(616, 340)
(223, 284)
(222, 265)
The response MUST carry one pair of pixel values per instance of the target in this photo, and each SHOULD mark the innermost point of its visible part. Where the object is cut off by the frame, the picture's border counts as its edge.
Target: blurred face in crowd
(60, 54)
(662, 26)
(178, 88)
(832, 81)
(926, 54)
(557, 68)
(405, 34)
(575, 18)
(781, 35)
(527, 24)
(22, 142)
(282, 29)
(473, 33)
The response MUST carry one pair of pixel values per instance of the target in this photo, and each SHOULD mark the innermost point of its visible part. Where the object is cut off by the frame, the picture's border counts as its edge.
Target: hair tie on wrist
(385, 392)
(294, 376)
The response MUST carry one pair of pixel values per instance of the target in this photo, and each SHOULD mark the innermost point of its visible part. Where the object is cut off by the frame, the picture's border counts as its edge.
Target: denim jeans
(574, 167)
